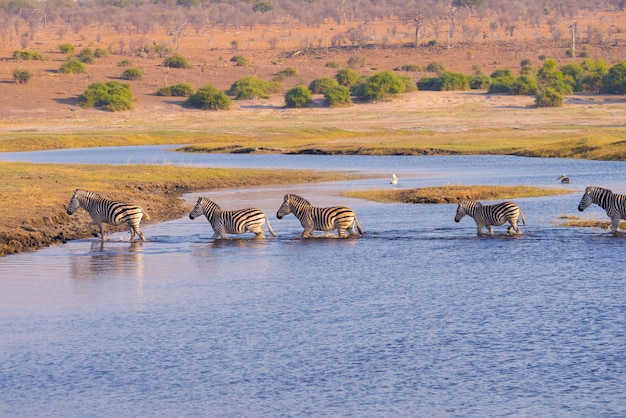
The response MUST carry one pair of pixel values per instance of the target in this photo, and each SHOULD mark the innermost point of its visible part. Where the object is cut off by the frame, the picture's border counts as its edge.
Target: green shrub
(176, 61)
(208, 98)
(502, 84)
(409, 85)
(549, 98)
(27, 55)
(86, 56)
(502, 73)
(346, 77)
(177, 90)
(431, 43)
(562, 87)
(240, 61)
(549, 73)
(125, 63)
(101, 53)
(428, 83)
(322, 84)
(356, 62)
(72, 66)
(332, 64)
(283, 74)
(413, 68)
(251, 87)
(112, 96)
(614, 82)
(450, 81)
(66, 49)
(132, 74)
(524, 86)
(337, 96)
(298, 96)
(435, 67)
(21, 76)
(479, 82)
(380, 85)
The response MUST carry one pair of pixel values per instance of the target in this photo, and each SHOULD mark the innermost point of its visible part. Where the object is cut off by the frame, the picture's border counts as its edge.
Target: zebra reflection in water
(491, 215)
(311, 218)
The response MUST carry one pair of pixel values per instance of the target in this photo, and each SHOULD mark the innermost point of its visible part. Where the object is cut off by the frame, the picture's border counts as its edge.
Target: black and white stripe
(107, 211)
(231, 221)
(491, 215)
(321, 219)
(614, 204)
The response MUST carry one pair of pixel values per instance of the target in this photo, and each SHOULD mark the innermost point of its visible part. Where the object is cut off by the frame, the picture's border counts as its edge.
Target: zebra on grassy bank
(107, 211)
(614, 204)
(320, 219)
(491, 215)
(231, 221)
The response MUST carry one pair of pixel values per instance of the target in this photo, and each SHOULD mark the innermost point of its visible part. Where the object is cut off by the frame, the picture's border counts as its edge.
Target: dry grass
(453, 193)
(573, 221)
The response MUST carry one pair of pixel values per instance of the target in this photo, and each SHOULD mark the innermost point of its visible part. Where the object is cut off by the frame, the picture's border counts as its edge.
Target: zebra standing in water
(320, 219)
(613, 203)
(490, 215)
(107, 211)
(231, 221)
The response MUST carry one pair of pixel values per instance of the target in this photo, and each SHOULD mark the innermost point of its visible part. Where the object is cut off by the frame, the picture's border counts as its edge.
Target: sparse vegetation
(177, 90)
(125, 63)
(21, 76)
(208, 98)
(66, 48)
(72, 66)
(283, 74)
(27, 56)
(86, 56)
(101, 53)
(240, 61)
(112, 96)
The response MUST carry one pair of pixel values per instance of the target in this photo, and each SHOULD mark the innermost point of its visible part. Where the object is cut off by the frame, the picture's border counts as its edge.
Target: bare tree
(451, 28)
(573, 27)
(418, 18)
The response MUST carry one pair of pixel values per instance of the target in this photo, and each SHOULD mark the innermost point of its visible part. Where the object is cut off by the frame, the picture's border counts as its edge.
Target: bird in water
(564, 179)
(394, 179)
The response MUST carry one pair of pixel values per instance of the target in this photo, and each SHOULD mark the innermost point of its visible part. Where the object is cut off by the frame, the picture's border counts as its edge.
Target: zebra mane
(85, 193)
(209, 202)
(597, 189)
(297, 199)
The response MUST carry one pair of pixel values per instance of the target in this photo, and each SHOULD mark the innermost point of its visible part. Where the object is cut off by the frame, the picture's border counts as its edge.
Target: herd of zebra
(340, 218)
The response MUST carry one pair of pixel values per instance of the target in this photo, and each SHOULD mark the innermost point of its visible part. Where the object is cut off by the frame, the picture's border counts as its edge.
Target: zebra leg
(489, 229)
(615, 224)
(307, 233)
(258, 231)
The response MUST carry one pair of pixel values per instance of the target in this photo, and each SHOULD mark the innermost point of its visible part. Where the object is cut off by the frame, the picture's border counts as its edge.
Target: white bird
(394, 179)
(564, 179)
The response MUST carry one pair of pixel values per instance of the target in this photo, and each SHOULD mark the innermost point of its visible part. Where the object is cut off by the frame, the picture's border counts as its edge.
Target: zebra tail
(358, 225)
(269, 227)
(522, 216)
(145, 215)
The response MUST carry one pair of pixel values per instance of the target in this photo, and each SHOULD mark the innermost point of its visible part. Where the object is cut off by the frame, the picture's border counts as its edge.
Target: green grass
(454, 193)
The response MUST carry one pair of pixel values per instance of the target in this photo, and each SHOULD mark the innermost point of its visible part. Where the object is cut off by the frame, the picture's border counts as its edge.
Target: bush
(435, 67)
(332, 64)
(614, 81)
(502, 84)
(66, 48)
(112, 96)
(21, 76)
(87, 56)
(177, 90)
(502, 73)
(208, 98)
(176, 61)
(132, 74)
(27, 56)
(251, 87)
(549, 98)
(125, 63)
(413, 68)
(524, 86)
(450, 81)
(356, 62)
(101, 53)
(479, 82)
(322, 84)
(337, 96)
(298, 96)
(380, 85)
(346, 77)
(283, 74)
(240, 61)
(72, 66)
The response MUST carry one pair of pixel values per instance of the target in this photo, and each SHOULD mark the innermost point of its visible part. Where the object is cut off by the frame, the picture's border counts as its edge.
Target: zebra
(491, 215)
(613, 203)
(321, 219)
(107, 211)
(231, 221)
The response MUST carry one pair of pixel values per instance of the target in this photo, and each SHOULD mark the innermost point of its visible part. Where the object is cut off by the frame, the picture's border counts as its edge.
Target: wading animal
(107, 211)
(614, 204)
(491, 215)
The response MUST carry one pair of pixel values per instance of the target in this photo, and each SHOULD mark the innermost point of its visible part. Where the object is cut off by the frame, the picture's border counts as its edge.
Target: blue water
(420, 317)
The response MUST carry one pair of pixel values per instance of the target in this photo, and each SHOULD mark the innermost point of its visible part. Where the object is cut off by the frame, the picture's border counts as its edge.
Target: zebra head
(590, 195)
(78, 197)
(205, 207)
(285, 208)
(465, 207)
(292, 204)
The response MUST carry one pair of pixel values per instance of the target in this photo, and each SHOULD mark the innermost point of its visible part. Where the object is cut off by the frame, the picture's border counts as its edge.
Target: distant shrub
(21, 76)
(208, 98)
(112, 96)
(125, 63)
(428, 83)
(298, 96)
(86, 56)
(356, 62)
(332, 64)
(413, 68)
(177, 90)
(431, 43)
(101, 53)
(240, 61)
(524, 85)
(132, 74)
(346, 77)
(72, 66)
(409, 85)
(337, 96)
(450, 81)
(502, 72)
(283, 74)
(176, 61)
(66, 48)
(584, 54)
(549, 98)
(382, 84)
(502, 84)
(435, 67)
(27, 55)
(322, 84)
(614, 82)
(479, 82)
(251, 87)
(562, 87)
(569, 53)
